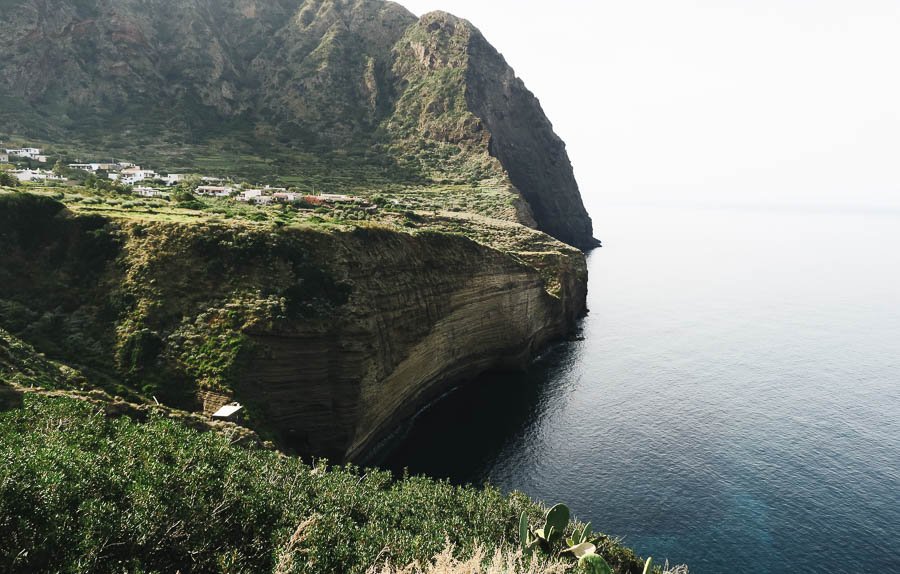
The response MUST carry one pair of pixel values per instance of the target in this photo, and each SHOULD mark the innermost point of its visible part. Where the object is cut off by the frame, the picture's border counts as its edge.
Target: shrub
(8, 179)
(24, 217)
(83, 493)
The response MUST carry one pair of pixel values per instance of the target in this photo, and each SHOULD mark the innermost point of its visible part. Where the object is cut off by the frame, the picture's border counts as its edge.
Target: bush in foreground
(80, 492)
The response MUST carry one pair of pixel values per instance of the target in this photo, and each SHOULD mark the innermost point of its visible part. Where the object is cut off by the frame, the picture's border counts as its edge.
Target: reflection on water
(734, 403)
(489, 417)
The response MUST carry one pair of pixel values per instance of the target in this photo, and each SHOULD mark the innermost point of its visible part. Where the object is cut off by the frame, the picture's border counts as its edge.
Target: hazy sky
(743, 100)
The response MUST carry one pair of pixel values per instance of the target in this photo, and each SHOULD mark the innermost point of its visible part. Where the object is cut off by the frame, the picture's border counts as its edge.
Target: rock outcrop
(458, 89)
(425, 312)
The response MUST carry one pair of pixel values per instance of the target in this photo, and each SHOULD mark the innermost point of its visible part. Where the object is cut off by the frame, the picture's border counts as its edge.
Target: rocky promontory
(329, 335)
(454, 249)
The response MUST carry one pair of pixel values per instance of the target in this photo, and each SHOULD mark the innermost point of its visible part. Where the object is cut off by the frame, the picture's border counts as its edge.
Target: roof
(227, 411)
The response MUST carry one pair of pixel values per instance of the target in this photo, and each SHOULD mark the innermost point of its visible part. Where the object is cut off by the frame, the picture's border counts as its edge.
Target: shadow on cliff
(460, 436)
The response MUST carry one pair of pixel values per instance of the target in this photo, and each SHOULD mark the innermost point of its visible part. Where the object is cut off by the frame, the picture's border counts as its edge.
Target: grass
(485, 211)
(22, 365)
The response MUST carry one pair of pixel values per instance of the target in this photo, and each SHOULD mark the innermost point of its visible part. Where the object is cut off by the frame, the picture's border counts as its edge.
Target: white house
(149, 192)
(28, 152)
(173, 178)
(4, 157)
(249, 194)
(229, 412)
(95, 167)
(215, 191)
(29, 175)
(285, 197)
(26, 175)
(132, 175)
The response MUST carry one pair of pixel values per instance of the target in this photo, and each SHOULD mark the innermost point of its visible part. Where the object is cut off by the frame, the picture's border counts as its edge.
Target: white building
(28, 175)
(28, 152)
(229, 412)
(133, 175)
(173, 178)
(4, 157)
(250, 194)
(149, 192)
(285, 197)
(95, 167)
(215, 191)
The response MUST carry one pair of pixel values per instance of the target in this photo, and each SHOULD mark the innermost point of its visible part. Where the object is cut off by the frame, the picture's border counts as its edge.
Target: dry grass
(286, 559)
(500, 563)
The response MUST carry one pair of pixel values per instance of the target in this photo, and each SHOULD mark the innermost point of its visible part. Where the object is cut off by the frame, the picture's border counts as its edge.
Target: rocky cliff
(425, 313)
(457, 88)
(330, 336)
(327, 91)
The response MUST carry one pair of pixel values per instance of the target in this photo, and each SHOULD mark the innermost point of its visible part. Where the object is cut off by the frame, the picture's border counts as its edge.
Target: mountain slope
(311, 89)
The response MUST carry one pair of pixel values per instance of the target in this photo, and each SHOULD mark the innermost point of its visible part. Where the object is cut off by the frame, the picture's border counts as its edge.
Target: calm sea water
(733, 403)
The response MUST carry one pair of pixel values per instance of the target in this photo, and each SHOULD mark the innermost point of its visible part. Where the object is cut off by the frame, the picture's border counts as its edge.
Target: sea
(731, 402)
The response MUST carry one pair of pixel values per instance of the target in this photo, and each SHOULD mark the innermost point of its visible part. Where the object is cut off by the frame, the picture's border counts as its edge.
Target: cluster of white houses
(127, 173)
(130, 174)
(268, 194)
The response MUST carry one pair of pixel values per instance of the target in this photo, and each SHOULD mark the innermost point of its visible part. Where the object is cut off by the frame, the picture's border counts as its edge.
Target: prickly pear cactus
(555, 523)
(524, 535)
(580, 536)
(579, 550)
(593, 564)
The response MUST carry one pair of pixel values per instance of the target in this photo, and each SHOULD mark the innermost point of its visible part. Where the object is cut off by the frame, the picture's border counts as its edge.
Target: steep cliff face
(331, 337)
(458, 89)
(425, 312)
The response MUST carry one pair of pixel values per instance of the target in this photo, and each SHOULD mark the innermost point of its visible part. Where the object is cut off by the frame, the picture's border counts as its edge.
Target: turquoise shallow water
(733, 402)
